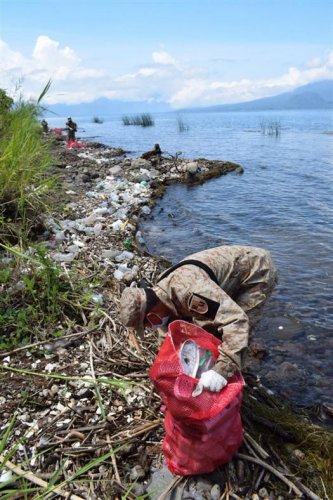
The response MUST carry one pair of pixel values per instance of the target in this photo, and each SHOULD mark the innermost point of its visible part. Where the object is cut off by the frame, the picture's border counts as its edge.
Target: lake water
(283, 202)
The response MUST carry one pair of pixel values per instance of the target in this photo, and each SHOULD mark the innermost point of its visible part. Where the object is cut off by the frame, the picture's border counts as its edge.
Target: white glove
(210, 380)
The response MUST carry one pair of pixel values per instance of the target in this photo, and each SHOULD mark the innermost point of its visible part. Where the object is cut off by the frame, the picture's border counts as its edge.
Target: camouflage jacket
(245, 276)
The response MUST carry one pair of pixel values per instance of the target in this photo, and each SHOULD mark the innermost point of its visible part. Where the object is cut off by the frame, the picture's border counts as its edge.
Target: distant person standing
(45, 126)
(71, 129)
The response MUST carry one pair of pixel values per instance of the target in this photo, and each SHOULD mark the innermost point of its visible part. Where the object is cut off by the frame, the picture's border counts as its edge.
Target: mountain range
(318, 95)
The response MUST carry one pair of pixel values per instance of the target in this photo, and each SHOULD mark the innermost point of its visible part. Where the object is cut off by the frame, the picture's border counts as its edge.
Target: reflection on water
(283, 202)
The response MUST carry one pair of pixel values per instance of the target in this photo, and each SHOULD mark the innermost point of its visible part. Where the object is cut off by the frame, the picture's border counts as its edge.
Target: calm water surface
(283, 202)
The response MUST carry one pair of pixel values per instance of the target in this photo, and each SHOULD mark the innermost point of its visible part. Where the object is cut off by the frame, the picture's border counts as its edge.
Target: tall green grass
(24, 159)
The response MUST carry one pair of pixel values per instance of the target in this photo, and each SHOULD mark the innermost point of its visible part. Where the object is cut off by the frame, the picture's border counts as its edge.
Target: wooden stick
(256, 446)
(114, 463)
(29, 476)
(42, 342)
(271, 469)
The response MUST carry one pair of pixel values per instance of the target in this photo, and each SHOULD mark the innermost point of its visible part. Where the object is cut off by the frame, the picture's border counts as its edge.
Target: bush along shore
(79, 417)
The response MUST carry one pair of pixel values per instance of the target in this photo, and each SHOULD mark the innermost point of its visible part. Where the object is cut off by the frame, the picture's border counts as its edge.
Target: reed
(182, 126)
(143, 120)
(270, 127)
(96, 119)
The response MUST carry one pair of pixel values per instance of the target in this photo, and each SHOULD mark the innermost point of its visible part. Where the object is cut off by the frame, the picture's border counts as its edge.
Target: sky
(181, 52)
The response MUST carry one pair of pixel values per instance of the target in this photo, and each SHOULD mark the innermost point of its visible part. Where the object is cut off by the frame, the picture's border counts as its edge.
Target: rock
(139, 490)
(137, 473)
(140, 163)
(239, 170)
(203, 485)
(192, 167)
(116, 152)
(299, 454)
(258, 350)
(215, 492)
(145, 210)
(116, 170)
(64, 257)
(263, 494)
(110, 254)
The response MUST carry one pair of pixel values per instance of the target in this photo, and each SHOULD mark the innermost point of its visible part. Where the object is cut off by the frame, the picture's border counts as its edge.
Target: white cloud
(48, 61)
(164, 78)
(163, 57)
(206, 92)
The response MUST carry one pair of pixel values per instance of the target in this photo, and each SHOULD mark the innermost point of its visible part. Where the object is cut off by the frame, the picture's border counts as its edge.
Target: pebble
(137, 473)
(215, 492)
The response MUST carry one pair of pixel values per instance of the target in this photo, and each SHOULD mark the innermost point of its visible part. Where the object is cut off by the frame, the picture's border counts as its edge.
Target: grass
(315, 442)
(36, 296)
(21, 483)
(143, 120)
(24, 158)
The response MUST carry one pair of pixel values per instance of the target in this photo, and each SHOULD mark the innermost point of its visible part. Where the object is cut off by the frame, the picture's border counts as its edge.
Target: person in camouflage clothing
(220, 289)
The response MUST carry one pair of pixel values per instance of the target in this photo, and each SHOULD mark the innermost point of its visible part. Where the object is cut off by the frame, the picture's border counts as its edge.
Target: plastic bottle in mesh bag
(194, 359)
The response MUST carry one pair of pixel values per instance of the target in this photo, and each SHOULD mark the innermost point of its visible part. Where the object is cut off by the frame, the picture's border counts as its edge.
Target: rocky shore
(83, 402)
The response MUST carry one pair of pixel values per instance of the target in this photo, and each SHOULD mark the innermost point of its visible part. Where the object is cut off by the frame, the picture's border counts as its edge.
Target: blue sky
(184, 52)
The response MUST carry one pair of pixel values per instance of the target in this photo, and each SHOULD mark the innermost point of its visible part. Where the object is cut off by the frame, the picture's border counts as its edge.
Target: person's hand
(210, 380)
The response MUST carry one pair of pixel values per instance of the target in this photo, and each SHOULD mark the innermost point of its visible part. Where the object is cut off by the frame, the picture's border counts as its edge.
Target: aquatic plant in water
(143, 120)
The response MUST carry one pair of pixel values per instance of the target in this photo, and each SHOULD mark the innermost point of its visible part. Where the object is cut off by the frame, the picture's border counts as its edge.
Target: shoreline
(105, 398)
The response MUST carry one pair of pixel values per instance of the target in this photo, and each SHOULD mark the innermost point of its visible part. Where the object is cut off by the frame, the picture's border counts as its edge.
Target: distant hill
(318, 95)
(105, 107)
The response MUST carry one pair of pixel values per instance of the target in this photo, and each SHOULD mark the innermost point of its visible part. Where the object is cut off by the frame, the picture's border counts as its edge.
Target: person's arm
(218, 309)
(233, 323)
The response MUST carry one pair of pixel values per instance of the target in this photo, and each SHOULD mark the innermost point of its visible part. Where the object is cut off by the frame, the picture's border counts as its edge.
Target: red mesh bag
(201, 432)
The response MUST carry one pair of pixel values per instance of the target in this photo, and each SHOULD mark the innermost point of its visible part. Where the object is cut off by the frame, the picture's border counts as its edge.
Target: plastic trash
(101, 211)
(97, 298)
(64, 257)
(128, 244)
(124, 256)
(60, 236)
(75, 249)
(116, 226)
(194, 359)
(139, 238)
(97, 228)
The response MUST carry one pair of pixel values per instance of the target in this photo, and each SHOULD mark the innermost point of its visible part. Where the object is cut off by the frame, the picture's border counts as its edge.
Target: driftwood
(32, 478)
